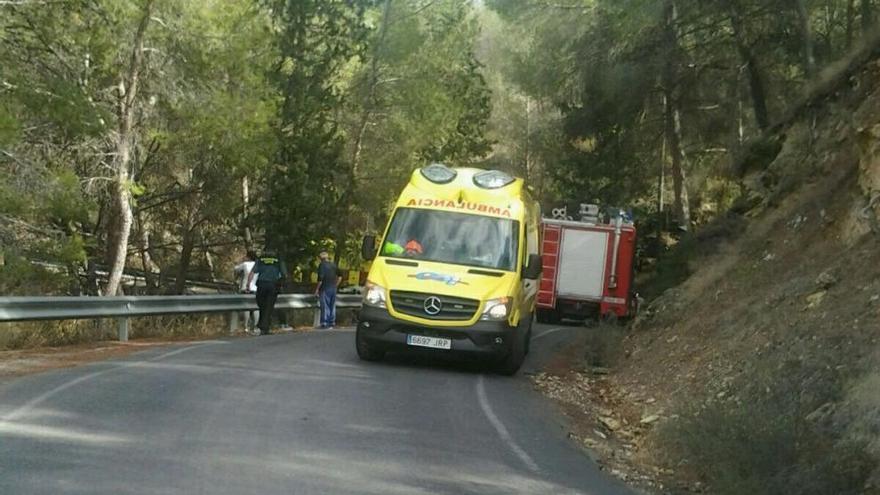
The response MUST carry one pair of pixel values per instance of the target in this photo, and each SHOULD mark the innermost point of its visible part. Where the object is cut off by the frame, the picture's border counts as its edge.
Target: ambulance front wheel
(514, 360)
(365, 351)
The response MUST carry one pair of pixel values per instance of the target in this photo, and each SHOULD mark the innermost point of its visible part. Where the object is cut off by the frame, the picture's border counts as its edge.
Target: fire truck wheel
(365, 351)
(548, 316)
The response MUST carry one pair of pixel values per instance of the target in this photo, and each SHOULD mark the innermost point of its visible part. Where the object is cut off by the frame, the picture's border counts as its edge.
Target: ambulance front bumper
(491, 339)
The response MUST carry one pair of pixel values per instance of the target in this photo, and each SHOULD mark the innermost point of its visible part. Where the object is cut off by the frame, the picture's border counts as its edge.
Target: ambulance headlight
(374, 296)
(492, 179)
(439, 173)
(496, 309)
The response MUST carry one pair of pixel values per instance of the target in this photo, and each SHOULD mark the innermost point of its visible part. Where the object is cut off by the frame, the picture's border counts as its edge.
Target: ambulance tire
(365, 351)
(511, 364)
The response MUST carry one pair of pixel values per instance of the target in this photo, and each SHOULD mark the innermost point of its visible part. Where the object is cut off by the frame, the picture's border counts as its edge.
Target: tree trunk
(370, 100)
(128, 87)
(756, 79)
(806, 37)
(661, 178)
(867, 13)
(187, 244)
(672, 117)
(246, 213)
(679, 172)
(528, 141)
(209, 258)
(152, 272)
(347, 199)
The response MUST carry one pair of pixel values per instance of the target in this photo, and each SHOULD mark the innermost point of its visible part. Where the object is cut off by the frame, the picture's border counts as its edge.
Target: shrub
(777, 437)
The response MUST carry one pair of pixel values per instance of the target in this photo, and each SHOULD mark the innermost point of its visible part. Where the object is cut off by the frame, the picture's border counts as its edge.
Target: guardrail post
(316, 322)
(122, 329)
(233, 322)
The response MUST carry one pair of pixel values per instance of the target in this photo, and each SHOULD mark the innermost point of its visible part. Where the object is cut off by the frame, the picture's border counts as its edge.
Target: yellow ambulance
(456, 270)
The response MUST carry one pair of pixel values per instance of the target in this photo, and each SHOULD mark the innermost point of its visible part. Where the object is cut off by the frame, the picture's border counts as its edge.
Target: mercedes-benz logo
(433, 305)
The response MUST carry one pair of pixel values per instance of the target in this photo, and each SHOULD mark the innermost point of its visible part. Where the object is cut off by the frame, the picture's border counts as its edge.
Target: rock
(610, 423)
(650, 400)
(600, 435)
(598, 370)
(875, 298)
(815, 299)
(798, 221)
(826, 280)
(651, 418)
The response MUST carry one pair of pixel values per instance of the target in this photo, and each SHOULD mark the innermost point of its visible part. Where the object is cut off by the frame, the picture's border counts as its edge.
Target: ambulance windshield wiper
(392, 261)
(475, 271)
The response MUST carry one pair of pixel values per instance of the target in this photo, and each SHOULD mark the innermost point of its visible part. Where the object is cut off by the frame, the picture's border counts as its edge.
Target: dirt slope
(759, 374)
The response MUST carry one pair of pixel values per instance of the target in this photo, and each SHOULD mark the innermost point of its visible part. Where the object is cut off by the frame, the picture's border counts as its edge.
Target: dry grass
(779, 435)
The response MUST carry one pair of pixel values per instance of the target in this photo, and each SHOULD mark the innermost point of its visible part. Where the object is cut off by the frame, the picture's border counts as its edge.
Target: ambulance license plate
(432, 342)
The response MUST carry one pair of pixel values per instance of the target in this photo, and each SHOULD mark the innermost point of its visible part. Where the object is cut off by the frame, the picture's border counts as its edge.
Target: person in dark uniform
(328, 280)
(269, 271)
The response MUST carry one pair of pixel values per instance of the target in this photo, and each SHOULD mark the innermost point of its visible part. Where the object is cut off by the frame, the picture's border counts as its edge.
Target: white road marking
(53, 433)
(501, 429)
(548, 332)
(27, 407)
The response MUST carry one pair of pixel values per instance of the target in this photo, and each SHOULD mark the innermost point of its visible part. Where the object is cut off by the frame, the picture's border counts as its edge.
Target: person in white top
(242, 272)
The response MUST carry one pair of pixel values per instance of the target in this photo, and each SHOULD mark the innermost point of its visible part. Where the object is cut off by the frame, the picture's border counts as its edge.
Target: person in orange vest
(413, 248)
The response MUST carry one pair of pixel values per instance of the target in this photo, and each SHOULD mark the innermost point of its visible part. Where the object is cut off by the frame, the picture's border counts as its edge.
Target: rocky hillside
(759, 374)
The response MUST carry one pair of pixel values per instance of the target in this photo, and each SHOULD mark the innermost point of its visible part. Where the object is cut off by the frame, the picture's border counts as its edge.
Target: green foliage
(64, 203)
(775, 437)
(9, 127)
(606, 66)
(427, 100)
(18, 276)
(317, 42)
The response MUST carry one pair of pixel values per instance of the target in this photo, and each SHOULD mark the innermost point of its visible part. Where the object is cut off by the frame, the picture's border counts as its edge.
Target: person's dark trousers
(328, 307)
(266, 296)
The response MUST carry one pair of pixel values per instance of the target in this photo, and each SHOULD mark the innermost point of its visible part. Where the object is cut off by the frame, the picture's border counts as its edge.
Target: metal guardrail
(124, 307)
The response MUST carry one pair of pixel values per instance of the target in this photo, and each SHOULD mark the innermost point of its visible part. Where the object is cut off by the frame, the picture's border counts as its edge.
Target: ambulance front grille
(452, 308)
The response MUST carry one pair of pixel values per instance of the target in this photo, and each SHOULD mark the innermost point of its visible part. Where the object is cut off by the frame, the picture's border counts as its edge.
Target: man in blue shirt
(269, 271)
(328, 280)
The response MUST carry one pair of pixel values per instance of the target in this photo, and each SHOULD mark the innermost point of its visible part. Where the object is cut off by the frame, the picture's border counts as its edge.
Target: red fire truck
(588, 266)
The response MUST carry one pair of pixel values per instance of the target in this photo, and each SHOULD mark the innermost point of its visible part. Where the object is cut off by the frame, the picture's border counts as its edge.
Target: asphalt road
(288, 414)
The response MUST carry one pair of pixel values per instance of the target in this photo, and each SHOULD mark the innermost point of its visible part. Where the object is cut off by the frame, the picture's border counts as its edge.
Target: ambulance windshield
(449, 237)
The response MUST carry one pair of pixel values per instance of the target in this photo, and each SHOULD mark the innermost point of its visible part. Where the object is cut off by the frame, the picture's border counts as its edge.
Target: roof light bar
(439, 173)
(492, 179)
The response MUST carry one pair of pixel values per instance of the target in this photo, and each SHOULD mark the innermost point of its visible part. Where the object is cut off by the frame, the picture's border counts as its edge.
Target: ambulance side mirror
(533, 268)
(368, 248)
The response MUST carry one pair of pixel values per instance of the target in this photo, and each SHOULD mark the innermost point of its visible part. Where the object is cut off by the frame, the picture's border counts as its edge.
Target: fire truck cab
(588, 265)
